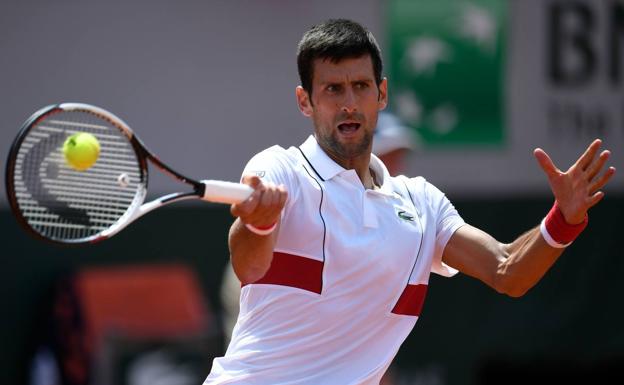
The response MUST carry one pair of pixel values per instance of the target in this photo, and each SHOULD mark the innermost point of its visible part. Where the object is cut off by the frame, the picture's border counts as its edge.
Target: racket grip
(225, 192)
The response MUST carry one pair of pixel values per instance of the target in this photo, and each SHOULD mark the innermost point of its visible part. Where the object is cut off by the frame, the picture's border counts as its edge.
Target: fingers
(603, 180)
(269, 207)
(273, 197)
(252, 180)
(588, 156)
(247, 206)
(264, 206)
(579, 188)
(594, 167)
(595, 198)
(546, 163)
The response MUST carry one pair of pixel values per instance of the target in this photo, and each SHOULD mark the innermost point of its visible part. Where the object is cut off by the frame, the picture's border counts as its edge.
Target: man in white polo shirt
(334, 254)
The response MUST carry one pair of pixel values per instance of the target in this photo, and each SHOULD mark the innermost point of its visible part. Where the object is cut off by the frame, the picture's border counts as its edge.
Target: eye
(361, 85)
(333, 88)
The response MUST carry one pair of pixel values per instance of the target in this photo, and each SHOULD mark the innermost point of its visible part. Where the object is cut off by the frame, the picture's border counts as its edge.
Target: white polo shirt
(348, 278)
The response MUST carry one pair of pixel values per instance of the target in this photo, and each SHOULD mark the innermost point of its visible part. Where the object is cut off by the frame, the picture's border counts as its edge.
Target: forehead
(326, 70)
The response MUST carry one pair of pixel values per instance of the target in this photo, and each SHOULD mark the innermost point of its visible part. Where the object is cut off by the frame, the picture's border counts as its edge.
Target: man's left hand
(579, 188)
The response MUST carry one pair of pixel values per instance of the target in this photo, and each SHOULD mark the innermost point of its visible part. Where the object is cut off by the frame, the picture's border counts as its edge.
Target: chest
(363, 237)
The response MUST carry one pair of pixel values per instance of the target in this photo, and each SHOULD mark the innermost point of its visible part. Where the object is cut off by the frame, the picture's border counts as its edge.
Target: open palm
(579, 188)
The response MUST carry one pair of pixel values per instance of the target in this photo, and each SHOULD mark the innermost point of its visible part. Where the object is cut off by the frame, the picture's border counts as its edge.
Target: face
(343, 106)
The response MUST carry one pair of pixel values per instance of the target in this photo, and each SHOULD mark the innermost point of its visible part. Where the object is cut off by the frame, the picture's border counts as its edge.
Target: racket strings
(62, 203)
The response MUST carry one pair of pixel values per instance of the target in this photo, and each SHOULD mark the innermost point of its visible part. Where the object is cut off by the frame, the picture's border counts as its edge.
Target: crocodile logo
(405, 216)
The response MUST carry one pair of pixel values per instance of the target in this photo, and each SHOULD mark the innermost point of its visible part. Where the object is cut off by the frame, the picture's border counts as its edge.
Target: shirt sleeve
(273, 165)
(447, 221)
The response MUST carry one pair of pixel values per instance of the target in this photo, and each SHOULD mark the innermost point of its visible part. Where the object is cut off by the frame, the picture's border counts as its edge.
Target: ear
(382, 100)
(303, 101)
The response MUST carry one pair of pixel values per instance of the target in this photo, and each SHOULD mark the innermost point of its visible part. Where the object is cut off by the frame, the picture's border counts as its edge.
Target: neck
(373, 182)
(359, 163)
(361, 169)
(361, 166)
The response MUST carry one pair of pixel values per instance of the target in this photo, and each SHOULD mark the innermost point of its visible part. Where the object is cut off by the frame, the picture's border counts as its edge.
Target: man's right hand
(251, 253)
(263, 208)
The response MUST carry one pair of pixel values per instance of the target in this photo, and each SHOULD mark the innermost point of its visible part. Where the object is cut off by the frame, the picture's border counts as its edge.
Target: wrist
(557, 232)
(261, 230)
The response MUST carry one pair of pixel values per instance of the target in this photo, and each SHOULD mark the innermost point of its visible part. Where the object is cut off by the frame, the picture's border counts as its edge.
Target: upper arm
(475, 253)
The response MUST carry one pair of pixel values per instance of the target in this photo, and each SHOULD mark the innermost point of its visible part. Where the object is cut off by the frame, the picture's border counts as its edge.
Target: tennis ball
(81, 150)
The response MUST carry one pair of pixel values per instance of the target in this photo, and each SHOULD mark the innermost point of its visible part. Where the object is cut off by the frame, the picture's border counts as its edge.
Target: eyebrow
(357, 80)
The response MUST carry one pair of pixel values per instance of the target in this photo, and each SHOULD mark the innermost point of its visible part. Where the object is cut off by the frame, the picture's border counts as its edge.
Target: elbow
(250, 274)
(507, 280)
(250, 270)
(515, 292)
(511, 286)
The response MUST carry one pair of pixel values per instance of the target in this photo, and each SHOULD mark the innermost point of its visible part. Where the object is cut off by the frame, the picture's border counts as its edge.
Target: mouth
(348, 127)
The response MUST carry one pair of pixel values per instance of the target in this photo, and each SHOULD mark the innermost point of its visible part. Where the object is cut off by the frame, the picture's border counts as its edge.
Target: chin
(353, 150)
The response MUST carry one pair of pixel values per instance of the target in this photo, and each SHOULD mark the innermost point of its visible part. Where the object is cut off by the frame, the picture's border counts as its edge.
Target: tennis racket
(58, 203)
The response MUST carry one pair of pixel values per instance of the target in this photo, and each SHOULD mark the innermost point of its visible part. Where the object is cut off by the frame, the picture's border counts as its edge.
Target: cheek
(324, 111)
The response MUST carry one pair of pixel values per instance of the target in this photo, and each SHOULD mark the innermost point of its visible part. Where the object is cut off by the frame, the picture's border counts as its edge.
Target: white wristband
(550, 239)
(258, 231)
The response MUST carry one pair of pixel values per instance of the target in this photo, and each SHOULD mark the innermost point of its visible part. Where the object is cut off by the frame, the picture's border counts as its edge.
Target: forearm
(251, 254)
(528, 258)
(511, 268)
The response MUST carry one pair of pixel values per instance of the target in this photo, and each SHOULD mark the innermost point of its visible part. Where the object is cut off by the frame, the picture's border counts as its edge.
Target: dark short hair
(336, 39)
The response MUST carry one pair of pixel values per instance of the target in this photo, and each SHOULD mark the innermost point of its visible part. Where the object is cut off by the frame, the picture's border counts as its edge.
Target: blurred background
(206, 84)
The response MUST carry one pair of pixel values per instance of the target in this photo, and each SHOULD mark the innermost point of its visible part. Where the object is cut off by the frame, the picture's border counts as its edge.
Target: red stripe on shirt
(294, 271)
(411, 301)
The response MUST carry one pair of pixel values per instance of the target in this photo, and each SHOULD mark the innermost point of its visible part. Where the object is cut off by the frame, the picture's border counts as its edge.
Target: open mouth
(347, 128)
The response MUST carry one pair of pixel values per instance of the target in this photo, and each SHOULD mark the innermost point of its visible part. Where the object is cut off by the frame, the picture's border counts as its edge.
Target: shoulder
(422, 189)
(273, 152)
(415, 185)
(277, 165)
(273, 157)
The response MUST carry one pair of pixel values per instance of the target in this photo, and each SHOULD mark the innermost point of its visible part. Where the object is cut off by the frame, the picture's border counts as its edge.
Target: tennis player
(392, 143)
(334, 253)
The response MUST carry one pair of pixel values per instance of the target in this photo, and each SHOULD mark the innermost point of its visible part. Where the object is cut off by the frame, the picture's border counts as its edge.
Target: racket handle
(225, 192)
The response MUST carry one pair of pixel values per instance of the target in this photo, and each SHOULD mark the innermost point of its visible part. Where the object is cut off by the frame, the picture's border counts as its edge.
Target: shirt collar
(382, 176)
(322, 164)
(326, 168)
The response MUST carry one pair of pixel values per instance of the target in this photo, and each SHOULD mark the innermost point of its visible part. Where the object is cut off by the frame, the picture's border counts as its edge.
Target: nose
(349, 102)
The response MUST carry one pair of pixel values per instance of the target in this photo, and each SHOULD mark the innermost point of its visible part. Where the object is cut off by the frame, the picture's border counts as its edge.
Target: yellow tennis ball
(81, 150)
